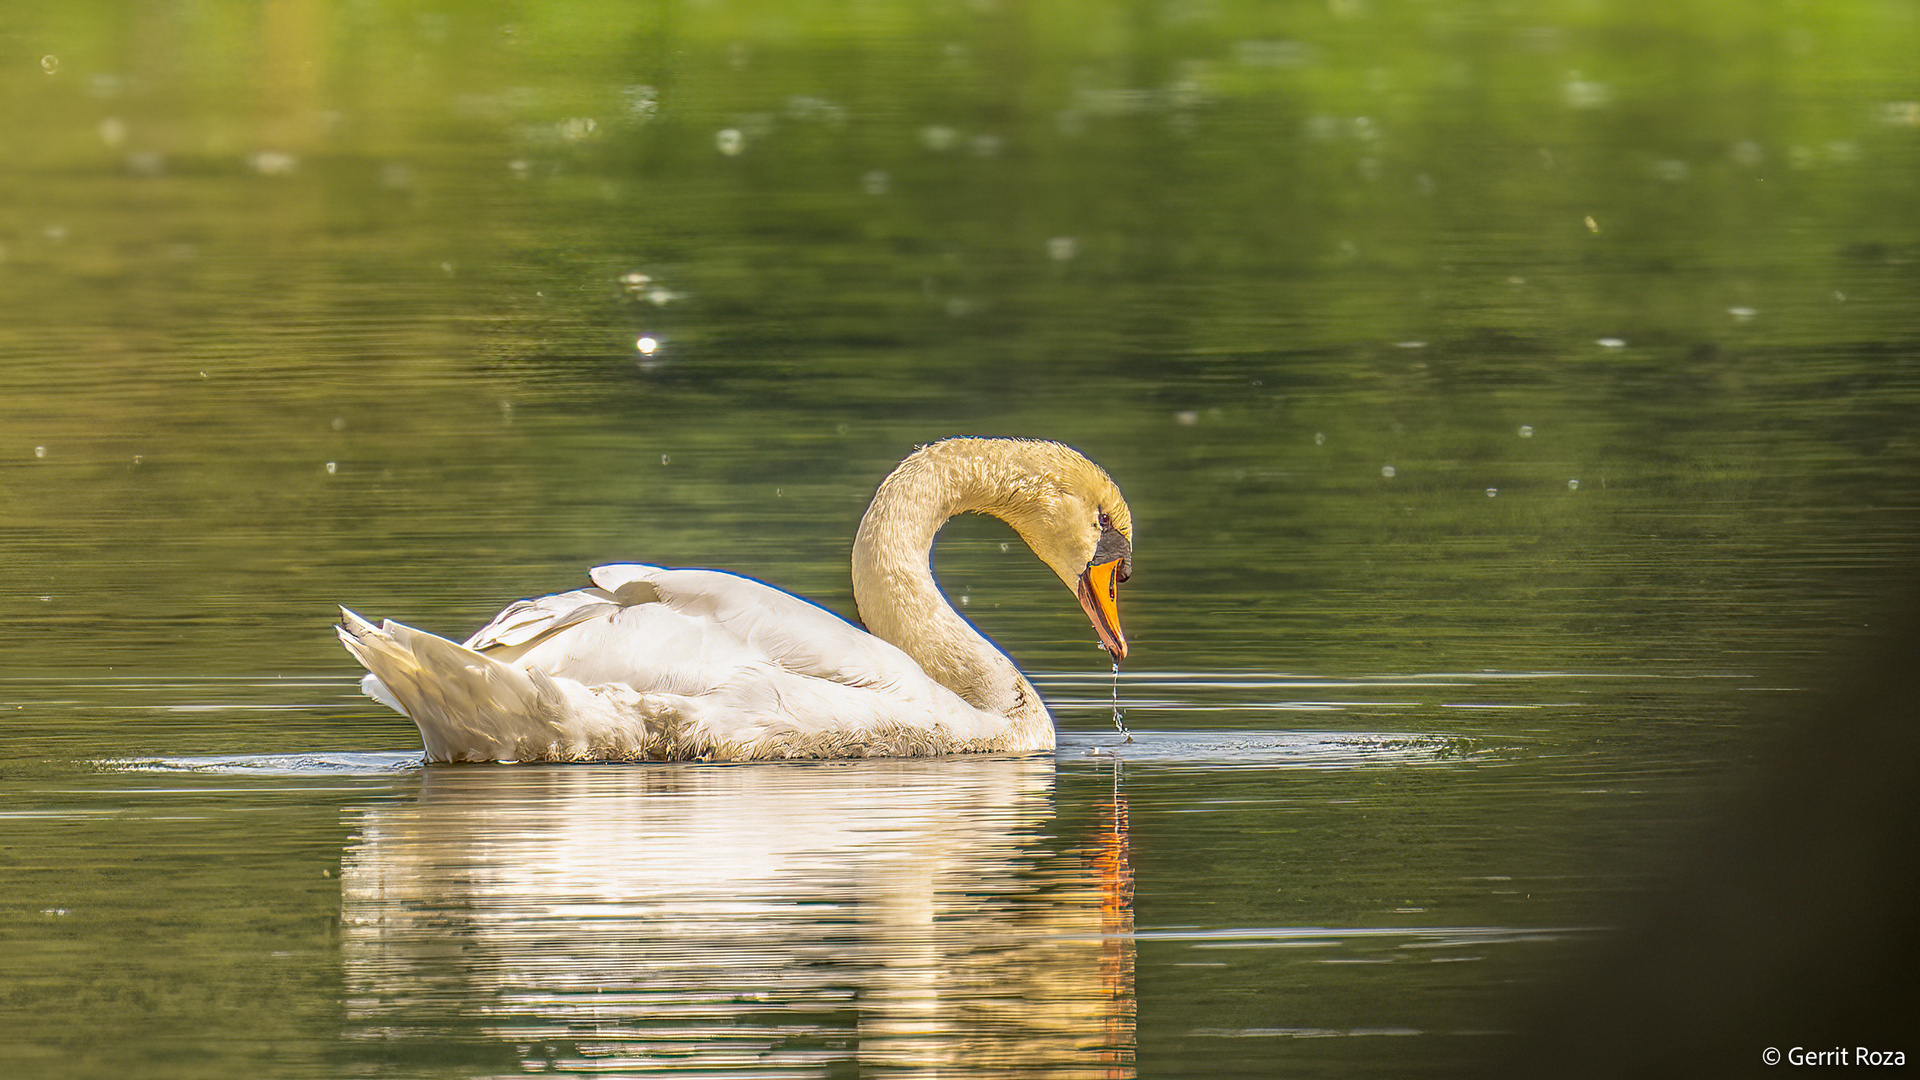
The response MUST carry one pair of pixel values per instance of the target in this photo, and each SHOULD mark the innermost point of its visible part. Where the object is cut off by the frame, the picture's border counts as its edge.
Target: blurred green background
(1246, 255)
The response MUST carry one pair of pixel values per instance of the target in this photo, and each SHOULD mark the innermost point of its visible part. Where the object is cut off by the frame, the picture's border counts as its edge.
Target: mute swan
(671, 664)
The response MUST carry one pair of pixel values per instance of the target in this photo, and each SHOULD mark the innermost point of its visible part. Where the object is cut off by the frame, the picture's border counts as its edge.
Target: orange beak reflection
(1099, 595)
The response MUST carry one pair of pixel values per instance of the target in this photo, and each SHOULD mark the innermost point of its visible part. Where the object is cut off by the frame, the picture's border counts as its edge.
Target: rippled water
(1204, 899)
(1518, 413)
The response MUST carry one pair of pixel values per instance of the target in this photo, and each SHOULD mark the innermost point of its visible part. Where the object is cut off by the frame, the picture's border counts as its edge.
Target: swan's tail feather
(469, 707)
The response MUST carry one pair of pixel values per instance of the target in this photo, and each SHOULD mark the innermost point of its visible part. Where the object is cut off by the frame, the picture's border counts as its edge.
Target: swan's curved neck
(893, 582)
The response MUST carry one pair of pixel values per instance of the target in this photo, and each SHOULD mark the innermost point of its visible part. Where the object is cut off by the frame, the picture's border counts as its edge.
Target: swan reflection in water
(628, 920)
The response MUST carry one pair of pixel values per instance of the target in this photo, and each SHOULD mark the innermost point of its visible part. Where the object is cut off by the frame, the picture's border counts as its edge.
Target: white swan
(657, 663)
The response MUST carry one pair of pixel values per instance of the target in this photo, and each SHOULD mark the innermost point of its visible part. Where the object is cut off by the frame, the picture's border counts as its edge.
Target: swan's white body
(658, 663)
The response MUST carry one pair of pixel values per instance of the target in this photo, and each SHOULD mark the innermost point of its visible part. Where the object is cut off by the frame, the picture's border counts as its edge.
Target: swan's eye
(1113, 547)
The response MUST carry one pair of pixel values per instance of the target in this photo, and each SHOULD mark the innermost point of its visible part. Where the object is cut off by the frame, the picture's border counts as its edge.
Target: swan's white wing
(686, 632)
(791, 632)
(527, 621)
(656, 662)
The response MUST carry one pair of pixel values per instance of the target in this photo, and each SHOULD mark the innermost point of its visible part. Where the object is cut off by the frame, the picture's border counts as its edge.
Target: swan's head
(1065, 507)
(1098, 585)
(1075, 519)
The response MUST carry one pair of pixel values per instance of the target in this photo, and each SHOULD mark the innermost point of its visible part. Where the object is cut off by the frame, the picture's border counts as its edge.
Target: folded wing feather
(685, 631)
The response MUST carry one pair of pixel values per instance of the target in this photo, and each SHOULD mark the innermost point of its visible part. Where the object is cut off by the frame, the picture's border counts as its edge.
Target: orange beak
(1099, 595)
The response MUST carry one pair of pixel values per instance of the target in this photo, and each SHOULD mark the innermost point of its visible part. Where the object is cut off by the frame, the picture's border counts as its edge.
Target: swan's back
(668, 663)
(683, 631)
